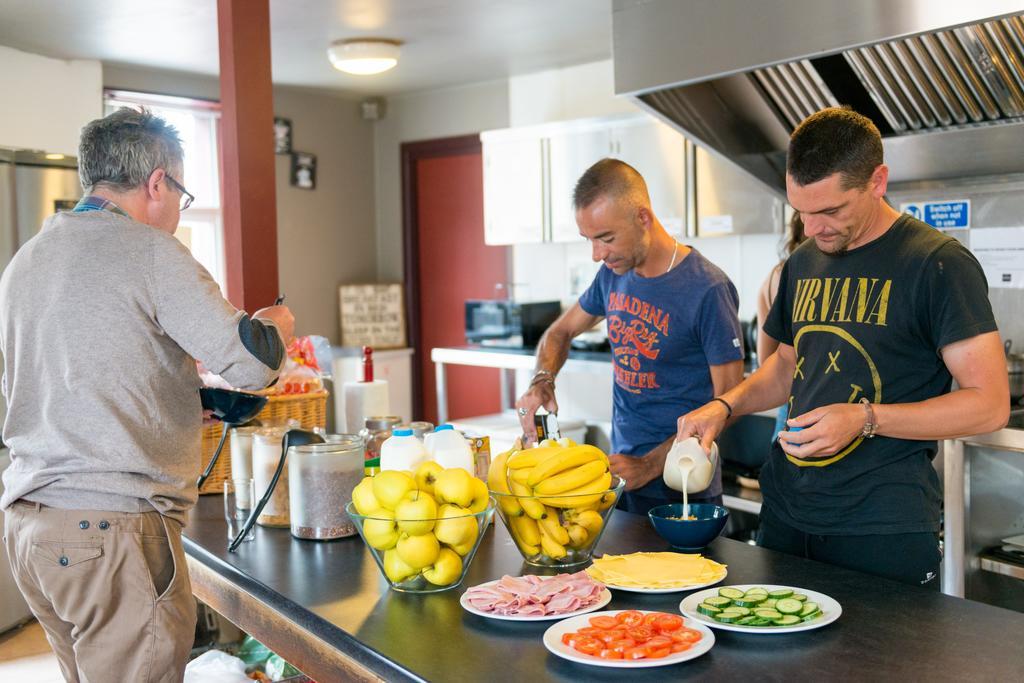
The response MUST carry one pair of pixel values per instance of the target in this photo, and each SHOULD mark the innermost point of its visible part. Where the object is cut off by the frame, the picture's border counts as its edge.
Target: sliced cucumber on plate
(759, 607)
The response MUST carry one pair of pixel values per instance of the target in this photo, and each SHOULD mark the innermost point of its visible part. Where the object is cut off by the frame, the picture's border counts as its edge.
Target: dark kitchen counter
(323, 606)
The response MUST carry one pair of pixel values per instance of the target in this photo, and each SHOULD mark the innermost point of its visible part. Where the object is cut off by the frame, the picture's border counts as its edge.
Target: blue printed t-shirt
(665, 332)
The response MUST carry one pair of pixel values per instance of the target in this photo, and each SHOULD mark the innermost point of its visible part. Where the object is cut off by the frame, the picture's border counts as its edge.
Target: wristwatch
(869, 425)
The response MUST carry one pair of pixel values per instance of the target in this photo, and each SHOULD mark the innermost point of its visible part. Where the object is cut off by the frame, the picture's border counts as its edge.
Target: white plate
(680, 589)
(830, 610)
(606, 597)
(1015, 540)
(553, 642)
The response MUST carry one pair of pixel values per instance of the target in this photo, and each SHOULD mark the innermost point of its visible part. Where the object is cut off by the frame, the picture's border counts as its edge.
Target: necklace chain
(675, 251)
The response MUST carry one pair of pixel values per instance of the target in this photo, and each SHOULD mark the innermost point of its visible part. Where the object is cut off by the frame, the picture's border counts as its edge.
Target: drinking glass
(239, 499)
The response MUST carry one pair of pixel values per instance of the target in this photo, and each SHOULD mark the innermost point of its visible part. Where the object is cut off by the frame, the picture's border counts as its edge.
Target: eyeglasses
(186, 197)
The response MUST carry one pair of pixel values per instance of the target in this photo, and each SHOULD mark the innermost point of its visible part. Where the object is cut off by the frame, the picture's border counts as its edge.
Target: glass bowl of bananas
(555, 500)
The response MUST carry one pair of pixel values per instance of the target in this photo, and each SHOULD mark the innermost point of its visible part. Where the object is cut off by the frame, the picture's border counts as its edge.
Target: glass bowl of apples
(422, 530)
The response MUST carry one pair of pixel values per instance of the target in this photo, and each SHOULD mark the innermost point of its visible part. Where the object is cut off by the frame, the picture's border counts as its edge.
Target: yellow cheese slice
(656, 570)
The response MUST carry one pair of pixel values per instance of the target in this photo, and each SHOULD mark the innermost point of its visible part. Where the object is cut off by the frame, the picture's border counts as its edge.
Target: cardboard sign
(372, 315)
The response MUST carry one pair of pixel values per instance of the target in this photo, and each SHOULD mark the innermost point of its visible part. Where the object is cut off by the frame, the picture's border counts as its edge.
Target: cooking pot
(1015, 372)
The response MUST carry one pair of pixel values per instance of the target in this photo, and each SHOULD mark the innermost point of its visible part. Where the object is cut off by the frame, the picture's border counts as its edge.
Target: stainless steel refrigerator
(33, 185)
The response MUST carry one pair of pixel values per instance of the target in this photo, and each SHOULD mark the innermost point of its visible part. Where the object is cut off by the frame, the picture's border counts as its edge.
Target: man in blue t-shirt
(672, 325)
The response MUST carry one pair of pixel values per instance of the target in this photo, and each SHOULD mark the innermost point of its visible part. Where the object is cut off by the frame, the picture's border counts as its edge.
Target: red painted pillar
(247, 153)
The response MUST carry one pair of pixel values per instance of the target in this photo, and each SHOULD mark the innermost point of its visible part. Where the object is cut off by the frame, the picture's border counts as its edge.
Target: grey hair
(613, 179)
(121, 150)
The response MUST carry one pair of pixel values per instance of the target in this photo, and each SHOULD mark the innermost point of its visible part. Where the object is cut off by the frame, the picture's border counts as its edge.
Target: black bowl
(233, 407)
(689, 534)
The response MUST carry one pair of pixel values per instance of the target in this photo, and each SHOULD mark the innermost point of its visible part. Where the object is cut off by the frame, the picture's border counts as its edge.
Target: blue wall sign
(954, 213)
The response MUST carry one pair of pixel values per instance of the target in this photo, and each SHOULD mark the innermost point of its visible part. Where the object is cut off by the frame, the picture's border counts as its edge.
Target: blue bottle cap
(402, 432)
(441, 428)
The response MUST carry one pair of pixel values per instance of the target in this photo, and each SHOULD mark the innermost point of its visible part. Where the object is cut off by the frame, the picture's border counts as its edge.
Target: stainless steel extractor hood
(944, 82)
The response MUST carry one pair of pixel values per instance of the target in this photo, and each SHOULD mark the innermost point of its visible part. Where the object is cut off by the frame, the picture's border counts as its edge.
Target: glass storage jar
(266, 453)
(321, 477)
(377, 431)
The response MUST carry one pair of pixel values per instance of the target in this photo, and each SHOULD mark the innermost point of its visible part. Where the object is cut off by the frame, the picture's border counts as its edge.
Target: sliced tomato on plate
(667, 622)
(610, 654)
(588, 645)
(657, 653)
(641, 634)
(609, 636)
(591, 631)
(604, 621)
(680, 647)
(630, 617)
(659, 642)
(638, 652)
(621, 646)
(686, 635)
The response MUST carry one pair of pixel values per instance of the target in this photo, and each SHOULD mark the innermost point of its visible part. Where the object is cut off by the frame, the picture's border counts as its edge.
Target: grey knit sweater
(101, 319)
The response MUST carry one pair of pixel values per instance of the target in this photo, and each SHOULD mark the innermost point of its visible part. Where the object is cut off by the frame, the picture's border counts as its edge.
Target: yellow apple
(425, 475)
(455, 526)
(363, 499)
(464, 549)
(446, 568)
(454, 486)
(381, 530)
(390, 487)
(395, 569)
(416, 513)
(418, 551)
(481, 496)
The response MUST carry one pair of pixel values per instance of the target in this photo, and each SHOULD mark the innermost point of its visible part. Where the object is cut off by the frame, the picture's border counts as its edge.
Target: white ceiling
(447, 42)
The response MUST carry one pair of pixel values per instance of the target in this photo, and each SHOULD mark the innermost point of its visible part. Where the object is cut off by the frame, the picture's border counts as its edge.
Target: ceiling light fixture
(364, 56)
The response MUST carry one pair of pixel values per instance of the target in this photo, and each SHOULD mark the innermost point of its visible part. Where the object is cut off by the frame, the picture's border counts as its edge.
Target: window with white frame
(198, 124)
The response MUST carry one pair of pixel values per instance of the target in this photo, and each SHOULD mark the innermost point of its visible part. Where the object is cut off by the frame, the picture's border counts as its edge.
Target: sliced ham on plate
(535, 595)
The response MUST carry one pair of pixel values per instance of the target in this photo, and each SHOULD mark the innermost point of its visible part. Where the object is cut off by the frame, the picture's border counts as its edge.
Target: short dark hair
(122, 149)
(609, 178)
(834, 140)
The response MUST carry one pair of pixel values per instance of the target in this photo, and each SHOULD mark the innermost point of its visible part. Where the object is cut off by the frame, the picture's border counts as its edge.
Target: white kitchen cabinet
(514, 187)
(530, 174)
(658, 153)
(571, 152)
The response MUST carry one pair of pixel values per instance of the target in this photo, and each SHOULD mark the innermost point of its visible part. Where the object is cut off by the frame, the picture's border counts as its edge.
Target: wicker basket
(309, 409)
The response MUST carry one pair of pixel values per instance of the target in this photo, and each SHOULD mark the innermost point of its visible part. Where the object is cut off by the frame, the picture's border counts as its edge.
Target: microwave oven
(509, 322)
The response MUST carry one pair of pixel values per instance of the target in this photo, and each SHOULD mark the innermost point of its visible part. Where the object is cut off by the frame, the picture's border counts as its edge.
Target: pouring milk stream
(689, 469)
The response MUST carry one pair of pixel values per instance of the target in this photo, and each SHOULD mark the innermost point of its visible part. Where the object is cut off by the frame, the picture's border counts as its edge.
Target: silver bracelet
(542, 376)
(869, 425)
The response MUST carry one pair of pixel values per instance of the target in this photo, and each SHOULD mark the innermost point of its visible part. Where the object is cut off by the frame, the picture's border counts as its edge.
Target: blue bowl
(693, 534)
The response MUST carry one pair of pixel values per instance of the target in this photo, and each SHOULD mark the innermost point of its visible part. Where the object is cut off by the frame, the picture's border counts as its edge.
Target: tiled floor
(26, 656)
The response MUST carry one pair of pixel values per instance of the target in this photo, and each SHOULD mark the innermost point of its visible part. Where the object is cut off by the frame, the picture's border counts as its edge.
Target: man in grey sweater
(102, 317)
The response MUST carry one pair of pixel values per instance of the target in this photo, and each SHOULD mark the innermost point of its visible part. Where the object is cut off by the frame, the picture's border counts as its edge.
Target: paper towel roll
(363, 400)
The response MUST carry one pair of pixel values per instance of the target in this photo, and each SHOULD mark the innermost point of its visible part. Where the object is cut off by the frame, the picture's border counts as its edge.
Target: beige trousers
(110, 589)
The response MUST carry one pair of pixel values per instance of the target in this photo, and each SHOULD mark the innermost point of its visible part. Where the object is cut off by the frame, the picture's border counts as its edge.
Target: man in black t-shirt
(876, 314)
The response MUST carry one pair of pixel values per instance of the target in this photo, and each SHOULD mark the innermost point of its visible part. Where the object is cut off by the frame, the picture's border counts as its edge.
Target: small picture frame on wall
(282, 136)
(304, 170)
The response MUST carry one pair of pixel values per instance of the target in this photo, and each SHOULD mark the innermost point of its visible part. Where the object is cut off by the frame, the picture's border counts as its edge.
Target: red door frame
(413, 152)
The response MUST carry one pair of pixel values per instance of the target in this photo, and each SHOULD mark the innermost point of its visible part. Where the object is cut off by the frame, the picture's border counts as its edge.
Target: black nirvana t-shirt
(871, 323)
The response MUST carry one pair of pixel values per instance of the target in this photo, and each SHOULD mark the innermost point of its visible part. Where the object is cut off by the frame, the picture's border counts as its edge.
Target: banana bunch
(553, 497)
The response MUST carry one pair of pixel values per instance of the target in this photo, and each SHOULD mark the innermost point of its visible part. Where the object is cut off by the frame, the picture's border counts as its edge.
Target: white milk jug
(687, 466)
(449, 449)
(402, 451)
